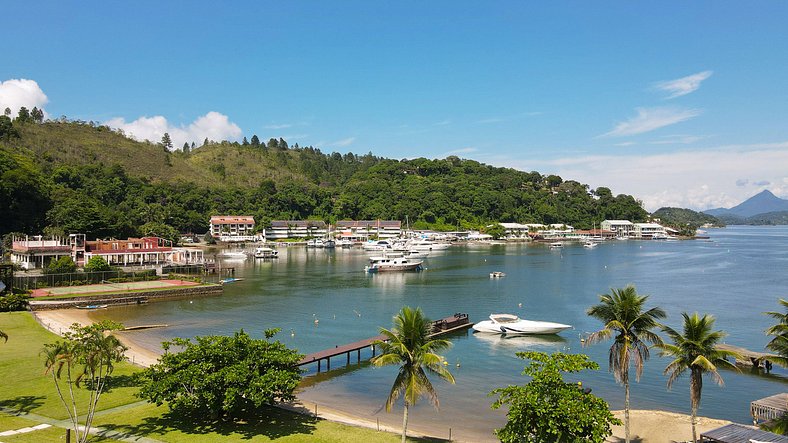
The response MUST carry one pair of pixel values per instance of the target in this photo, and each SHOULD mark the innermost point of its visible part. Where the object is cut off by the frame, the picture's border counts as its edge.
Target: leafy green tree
(63, 265)
(7, 112)
(550, 409)
(162, 230)
(496, 231)
(625, 320)
(97, 264)
(37, 115)
(87, 355)
(695, 349)
(255, 141)
(245, 142)
(409, 345)
(166, 141)
(185, 149)
(13, 302)
(779, 344)
(7, 130)
(23, 116)
(223, 377)
(24, 194)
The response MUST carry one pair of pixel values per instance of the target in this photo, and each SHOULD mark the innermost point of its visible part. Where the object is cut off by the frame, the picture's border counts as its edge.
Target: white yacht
(234, 254)
(379, 245)
(512, 324)
(344, 243)
(265, 253)
(427, 245)
(590, 244)
(385, 264)
(556, 245)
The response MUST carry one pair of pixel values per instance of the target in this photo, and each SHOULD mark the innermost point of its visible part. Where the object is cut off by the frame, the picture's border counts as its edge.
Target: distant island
(764, 208)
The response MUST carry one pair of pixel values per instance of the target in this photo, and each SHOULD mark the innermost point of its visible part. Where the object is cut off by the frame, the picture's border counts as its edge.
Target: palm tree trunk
(625, 379)
(695, 387)
(405, 422)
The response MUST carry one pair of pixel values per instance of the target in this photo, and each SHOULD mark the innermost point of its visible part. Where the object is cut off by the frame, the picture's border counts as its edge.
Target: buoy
(458, 364)
(519, 305)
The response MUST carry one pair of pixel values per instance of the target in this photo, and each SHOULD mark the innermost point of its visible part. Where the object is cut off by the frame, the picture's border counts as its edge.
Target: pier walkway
(748, 357)
(446, 325)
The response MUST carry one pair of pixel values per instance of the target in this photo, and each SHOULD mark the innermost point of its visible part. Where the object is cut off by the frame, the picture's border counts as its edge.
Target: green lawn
(29, 390)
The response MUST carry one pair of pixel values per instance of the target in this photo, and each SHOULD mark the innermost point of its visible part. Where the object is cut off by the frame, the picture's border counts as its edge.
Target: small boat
(512, 324)
(266, 253)
(380, 245)
(233, 254)
(329, 244)
(344, 243)
(556, 245)
(230, 280)
(394, 264)
(427, 245)
(311, 243)
(497, 274)
(590, 244)
(92, 307)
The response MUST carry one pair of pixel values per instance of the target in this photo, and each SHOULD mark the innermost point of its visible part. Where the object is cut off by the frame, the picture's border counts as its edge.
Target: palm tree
(630, 326)
(779, 344)
(695, 350)
(409, 345)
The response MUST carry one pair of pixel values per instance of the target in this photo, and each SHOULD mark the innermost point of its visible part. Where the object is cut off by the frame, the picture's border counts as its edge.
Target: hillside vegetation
(64, 176)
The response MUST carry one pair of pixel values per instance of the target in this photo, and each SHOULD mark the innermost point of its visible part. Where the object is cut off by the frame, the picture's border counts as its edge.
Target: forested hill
(68, 176)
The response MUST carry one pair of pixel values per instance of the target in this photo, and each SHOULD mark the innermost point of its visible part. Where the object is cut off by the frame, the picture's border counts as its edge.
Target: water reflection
(522, 342)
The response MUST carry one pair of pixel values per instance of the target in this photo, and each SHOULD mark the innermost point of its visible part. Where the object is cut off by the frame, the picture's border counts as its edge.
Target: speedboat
(512, 324)
(556, 245)
(590, 244)
(266, 253)
(497, 274)
(384, 264)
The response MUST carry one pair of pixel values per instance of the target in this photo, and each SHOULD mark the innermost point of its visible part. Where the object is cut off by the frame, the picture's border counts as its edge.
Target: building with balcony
(366, 229)
(232, 227)
(282, 229)
(622, 228)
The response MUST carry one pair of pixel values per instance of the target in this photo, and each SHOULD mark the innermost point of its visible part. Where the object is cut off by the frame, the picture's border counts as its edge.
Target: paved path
(66, 424)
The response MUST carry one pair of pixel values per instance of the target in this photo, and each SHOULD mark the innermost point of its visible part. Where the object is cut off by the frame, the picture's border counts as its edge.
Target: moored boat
(512, 324)
(386, 264)
(497, 274)
(265, 253)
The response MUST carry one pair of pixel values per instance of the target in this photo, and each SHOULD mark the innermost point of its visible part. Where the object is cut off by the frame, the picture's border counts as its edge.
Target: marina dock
(748, 357)
(440, 327)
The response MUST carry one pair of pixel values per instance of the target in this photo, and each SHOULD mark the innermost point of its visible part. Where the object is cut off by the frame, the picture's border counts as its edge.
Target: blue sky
(678, 103)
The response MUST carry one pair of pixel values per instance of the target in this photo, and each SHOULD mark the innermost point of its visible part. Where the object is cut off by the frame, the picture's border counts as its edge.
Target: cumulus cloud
(213, 126)
(698, 180)
(649, 119)
(16, 93)
(684, 85)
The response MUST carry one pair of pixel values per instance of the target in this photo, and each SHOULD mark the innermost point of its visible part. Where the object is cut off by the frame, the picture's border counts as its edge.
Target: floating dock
(440, 327)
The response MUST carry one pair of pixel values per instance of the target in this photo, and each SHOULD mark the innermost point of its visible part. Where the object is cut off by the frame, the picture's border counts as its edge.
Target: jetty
(747, 357)
(456, 322)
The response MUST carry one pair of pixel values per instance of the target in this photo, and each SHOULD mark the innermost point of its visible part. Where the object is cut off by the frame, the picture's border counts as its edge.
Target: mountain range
(762, 208)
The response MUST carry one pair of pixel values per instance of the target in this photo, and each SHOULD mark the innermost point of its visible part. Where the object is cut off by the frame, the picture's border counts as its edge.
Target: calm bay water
(736, 275)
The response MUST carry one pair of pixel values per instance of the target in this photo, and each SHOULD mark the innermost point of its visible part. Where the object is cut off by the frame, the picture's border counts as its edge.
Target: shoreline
(647, 426)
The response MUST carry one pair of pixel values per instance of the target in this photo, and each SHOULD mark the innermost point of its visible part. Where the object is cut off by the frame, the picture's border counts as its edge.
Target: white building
(365, 229)
(622, 228)
(282, 229)
(649, 231)
(232, 227)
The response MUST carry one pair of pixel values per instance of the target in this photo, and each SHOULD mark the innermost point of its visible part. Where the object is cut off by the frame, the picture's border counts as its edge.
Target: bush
(63, 265)
(97, 264)
(13, 302)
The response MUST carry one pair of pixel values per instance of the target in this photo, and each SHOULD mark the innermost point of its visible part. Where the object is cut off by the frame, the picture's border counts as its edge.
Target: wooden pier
(749, 358)
(443, 326)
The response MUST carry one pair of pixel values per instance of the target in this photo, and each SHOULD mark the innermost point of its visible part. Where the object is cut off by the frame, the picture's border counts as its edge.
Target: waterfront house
(365, 229)
(38, 252)
(622, 228)
(232, 228)
(649, 231)
(281, 229)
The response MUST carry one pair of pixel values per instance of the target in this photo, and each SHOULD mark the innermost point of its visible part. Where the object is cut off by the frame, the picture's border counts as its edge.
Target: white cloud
(213, 126)
(344, 142)
(282, 126)
(649, 119)
(690, 179)
(684, 85)
(460, 151)
(16, 93)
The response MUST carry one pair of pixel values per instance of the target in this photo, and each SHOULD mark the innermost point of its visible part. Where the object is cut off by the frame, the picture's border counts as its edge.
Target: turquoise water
(736, 275)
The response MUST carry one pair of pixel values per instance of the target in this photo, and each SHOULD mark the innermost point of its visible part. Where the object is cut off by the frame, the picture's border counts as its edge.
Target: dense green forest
(72, 176)
(685, 219)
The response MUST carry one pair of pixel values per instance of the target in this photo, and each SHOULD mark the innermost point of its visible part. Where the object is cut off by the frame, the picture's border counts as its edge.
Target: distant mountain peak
(760, 203)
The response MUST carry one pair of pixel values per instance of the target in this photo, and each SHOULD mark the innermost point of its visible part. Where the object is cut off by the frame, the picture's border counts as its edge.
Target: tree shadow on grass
(120, 381)
(269, 421)
(23, 404)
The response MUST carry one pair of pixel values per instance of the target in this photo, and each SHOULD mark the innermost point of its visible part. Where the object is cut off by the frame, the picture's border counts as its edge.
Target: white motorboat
(512, 324)
(344, 243)
(329, 244)
(380, 245)
(426, 245)
(590, 244)
(265, 253)
(556, 245)
(385, 264)
(497, 274)
(234, 254)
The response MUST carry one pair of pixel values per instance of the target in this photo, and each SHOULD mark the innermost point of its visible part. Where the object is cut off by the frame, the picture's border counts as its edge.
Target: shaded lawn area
(271, 424)
(52, 434)
(27, 389)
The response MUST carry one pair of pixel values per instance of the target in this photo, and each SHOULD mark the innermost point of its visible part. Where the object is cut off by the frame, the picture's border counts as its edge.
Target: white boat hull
(520, 327)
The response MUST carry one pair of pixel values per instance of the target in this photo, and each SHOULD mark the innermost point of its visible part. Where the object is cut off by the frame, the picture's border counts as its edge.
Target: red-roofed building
(232, 226)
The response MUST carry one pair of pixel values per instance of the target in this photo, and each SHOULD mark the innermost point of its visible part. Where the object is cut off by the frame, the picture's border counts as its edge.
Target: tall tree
(37, 115)
(630, 326)
(695, 350)
(409, 345)
(245, 142)
(255, 140)
(23, 116)
(7, 112)
(166, 141)
(185, 148)
(86, 356)
(779, 344)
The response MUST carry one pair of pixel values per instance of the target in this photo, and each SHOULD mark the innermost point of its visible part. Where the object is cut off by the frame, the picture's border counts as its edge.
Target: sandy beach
(647, 426)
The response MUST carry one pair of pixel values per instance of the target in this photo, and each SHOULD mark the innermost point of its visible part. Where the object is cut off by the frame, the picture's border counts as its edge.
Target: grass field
(27, 390)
